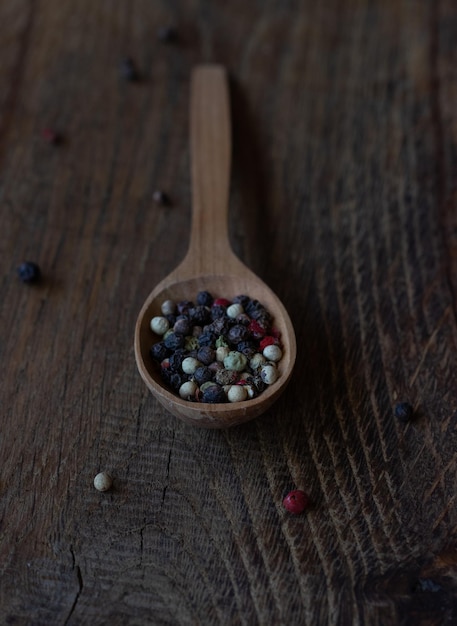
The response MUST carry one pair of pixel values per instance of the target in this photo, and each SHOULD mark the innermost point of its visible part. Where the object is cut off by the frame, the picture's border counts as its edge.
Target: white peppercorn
(250, 391)
(168, 307)
(159, 325)
(272, 353)
(190, 364)
(257, 361)
(188, 389)
(237, 393)
(234, 310)
(269, 374)
(221, 353)
(103, 481)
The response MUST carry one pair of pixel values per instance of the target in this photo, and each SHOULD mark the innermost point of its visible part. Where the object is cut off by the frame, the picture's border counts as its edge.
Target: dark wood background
(343, 200)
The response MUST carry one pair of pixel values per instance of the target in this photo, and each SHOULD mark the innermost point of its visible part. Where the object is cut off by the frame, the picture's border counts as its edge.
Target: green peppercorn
(221, 343)
(235, 361)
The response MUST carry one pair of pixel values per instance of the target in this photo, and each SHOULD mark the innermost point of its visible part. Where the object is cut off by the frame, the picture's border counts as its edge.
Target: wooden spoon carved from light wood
(210, 263)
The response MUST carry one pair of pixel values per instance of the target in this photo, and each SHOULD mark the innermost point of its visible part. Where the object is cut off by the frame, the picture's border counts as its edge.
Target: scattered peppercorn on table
(337, 505)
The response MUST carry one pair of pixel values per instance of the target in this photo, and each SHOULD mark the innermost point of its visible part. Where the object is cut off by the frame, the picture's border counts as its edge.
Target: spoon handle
(210, 135)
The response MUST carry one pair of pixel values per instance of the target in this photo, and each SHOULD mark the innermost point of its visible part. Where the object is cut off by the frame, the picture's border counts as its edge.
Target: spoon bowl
(210, 264)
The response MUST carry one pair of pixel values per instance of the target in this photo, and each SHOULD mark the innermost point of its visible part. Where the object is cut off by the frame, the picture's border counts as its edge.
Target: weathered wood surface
(344, 201)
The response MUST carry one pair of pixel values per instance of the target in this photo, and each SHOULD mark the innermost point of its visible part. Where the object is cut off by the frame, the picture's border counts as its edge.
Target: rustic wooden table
(343, 199)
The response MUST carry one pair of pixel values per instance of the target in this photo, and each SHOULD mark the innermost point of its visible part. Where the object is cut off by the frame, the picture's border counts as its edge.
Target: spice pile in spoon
(216, 350)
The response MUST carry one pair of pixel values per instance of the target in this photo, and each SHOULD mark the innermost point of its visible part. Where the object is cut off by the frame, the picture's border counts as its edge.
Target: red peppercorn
(50, 136)
(296, 501)
(221, 302)
(256, 329)
(267, 341)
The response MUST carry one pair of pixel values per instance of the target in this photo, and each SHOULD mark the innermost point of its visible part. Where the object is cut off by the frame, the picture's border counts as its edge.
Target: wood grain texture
(343, 199)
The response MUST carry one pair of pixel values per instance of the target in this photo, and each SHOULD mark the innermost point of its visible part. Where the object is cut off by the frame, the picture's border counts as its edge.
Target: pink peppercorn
(296, 501)
(50, 136)
(221, 302)
(256, 329)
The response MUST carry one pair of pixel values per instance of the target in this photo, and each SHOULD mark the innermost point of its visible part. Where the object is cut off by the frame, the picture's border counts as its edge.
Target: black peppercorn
(159, 351)
(167, 34)
(207, 338)
(166, 373)
(174, 341)
(218, 310)
(161, 198)
(184, 306)
(403, 411)
(171, 319)
(182, 325)
(176, 359)
(128, 70)
(248, 348)
(176, 380)
(29, 272)
(204, 298)
(237, 334)
(243, 300)
(203, 374)
(215, 366)
(258, 312)
(206, 355)
(200, 315)
(221, 326)
(214, 395)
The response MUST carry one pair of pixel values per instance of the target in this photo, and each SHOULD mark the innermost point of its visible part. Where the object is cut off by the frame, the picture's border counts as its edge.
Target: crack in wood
(80, 586)
(167, 472)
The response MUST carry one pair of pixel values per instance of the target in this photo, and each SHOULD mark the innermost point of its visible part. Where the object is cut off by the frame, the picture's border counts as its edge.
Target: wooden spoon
(210, 263)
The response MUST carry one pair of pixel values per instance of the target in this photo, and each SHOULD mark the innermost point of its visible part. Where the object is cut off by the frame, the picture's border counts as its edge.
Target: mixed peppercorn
(216, 350)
